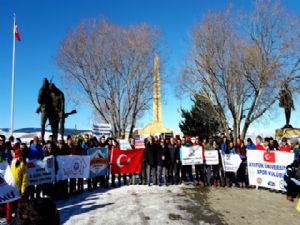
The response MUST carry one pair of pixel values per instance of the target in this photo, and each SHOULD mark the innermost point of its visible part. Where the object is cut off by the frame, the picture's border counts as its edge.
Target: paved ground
(178, 205)
(251, 206)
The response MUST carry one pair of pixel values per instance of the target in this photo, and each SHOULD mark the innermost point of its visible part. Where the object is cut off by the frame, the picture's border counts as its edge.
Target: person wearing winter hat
(35, 150)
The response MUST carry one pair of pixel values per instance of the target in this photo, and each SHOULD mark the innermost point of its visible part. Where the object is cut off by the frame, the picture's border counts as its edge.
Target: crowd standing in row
(161, 164)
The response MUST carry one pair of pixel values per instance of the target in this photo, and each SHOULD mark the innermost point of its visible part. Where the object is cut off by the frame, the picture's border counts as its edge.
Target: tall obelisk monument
(156, 127)
(157, 113)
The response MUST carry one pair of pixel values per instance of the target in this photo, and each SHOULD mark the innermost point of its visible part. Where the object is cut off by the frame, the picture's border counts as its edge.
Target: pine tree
(200, 120)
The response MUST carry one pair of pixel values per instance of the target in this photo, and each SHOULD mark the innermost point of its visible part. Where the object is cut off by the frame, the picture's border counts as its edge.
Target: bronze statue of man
(58, 103)
(45, 105)
(286, 102)
(52, 106)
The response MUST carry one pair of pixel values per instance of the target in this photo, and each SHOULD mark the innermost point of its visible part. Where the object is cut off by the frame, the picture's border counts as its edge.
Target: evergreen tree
(201, 119)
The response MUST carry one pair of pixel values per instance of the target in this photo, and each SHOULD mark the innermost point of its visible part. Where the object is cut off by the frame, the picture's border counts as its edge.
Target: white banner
(124, 145)
(211, 157)
(102, 129)
(40, 171)
(73, 166)
(266, 169)
(191, 155)
(231, 162)
(8, 189)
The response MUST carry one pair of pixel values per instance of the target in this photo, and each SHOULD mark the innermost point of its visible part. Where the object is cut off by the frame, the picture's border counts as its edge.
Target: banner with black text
(40, 171)
(267, 169)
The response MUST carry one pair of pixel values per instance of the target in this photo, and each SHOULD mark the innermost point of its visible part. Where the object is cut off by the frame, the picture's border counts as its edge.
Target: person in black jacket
(2, 147)
(162, 163)
(143, 173)
(187, 169)
(151, 160)
(174, 167)
(292, 180)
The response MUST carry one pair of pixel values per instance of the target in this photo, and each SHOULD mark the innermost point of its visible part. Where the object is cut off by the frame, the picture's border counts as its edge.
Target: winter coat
(8, 156)
(19, 173)
(173, 153)
(73, 150)
(260, 147)
(251, 147)
(285, 148)
(230, 151)
(242, 152)
(151, 154)
(35, 152)
(162, 151)
(86, 146)
(224, 147)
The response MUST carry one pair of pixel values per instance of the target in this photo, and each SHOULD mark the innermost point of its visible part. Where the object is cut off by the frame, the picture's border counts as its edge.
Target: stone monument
(156, 127)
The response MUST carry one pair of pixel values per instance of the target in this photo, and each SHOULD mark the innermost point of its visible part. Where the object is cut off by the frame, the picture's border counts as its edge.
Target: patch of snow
(134, 204)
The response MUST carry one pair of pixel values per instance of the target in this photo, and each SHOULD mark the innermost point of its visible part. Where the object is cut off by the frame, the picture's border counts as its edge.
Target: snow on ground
(182, 204)
(126, 205)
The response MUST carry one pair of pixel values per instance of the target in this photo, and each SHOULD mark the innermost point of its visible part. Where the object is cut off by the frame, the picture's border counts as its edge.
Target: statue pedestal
(287, 132)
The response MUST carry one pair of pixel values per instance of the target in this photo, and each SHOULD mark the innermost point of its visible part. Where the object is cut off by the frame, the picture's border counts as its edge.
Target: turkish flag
(126, 161)
(269, 157)
(17, 34)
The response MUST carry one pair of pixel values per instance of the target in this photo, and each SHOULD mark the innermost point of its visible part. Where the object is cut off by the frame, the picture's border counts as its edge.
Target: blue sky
(43, 25)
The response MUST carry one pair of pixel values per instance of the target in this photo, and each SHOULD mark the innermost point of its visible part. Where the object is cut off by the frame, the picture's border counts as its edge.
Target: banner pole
(112, 154)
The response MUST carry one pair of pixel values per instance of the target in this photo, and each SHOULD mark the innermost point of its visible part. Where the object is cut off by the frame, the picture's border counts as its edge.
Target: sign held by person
(211, 157)
(267, 169)
(124, 145)
(73, 166)
(98, 161)
(8, 188)
(40, 171)
(192, 155)
(231, 162)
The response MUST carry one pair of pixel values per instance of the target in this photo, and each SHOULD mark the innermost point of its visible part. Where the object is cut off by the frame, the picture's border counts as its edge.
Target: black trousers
(241, 173)
(72, 186)
(216, 172)
(292, 188)
(200, 173)
(173, 175)
(187, 169)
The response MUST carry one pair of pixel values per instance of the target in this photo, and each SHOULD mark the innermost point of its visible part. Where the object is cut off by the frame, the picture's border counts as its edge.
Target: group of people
(161, 164)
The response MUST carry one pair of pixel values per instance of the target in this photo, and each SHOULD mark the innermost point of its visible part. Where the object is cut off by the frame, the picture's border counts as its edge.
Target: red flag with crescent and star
(126, 161)
(269, 157)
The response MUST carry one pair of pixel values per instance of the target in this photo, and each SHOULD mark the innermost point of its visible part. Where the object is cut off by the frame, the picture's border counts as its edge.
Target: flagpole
(13, 80)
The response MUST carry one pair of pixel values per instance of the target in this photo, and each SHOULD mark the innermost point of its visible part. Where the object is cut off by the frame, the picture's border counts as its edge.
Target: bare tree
(110, 67)
(241, 61)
